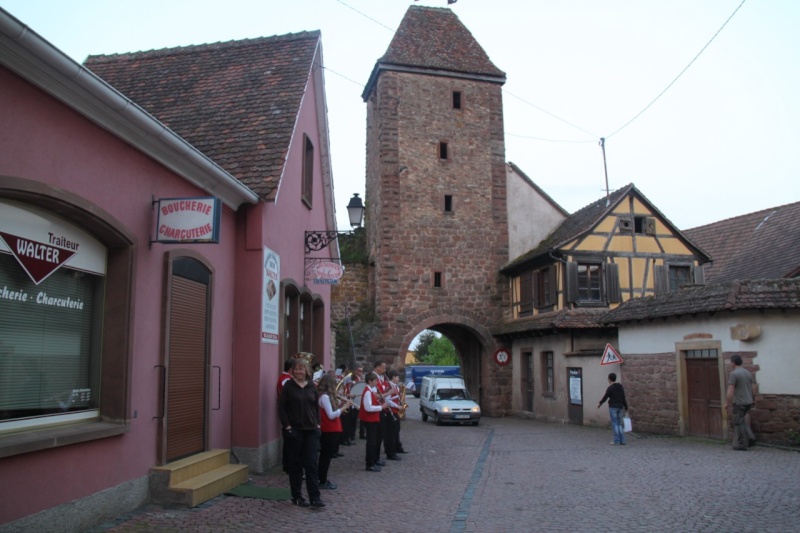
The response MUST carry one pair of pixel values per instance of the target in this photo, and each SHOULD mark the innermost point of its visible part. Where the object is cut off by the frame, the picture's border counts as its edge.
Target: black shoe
(394, 458)
(337, 454)
(373, 468)
(740, 448)
(401, 451)
(751, 442)
(300, 502)
(327, 486)
(317, 503)
(380, 463)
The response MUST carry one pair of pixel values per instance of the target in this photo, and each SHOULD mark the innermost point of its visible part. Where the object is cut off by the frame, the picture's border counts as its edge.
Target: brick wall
(651, 389)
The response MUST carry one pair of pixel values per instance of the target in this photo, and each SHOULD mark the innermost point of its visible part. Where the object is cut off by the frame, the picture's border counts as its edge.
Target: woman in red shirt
(331, 426)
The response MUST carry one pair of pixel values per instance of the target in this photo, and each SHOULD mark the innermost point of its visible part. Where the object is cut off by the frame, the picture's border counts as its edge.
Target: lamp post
(318, 240)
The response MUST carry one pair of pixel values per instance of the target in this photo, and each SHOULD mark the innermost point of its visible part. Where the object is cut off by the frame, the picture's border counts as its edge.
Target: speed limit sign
(502, 357)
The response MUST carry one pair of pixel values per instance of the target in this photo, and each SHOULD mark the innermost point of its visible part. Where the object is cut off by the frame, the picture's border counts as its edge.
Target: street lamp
(318, 240)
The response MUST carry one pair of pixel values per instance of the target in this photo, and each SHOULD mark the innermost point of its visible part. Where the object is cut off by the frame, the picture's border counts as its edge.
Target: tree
(442, 353)
(424, 341)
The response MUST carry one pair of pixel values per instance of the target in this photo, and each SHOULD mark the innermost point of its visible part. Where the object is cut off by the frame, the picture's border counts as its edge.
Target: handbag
(628, 426)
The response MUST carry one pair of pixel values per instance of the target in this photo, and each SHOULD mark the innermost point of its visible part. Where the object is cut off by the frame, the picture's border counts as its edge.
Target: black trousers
(391, 428)
(373, 450)
(303, 446)
(328, 444)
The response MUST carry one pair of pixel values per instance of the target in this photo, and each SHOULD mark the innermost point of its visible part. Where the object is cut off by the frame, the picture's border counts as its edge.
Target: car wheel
(475, 423)
(424, 416)
(438, 420)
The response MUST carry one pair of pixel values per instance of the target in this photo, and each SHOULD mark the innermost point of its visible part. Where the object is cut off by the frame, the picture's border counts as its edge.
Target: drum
(358, 390)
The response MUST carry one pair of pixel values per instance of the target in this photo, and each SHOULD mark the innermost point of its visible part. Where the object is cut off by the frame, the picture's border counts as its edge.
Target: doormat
(264, 493)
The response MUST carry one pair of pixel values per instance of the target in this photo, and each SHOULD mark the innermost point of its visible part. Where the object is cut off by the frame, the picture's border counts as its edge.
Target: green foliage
(442, 353)
(353, 247)
(424, 342)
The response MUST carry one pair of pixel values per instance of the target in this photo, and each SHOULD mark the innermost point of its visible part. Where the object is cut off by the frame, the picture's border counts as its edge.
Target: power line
(679, 75)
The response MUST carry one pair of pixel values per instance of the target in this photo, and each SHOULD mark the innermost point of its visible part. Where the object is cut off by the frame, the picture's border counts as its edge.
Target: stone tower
(437, 229)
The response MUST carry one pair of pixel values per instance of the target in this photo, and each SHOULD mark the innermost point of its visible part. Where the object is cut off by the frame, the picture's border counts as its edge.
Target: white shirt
(366, 402)
(325, 403)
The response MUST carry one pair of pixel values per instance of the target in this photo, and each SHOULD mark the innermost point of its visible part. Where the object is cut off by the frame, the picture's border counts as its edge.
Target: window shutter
(661, 279)
(699, 275)
(553, 284)
(612, 283)
(572, 281)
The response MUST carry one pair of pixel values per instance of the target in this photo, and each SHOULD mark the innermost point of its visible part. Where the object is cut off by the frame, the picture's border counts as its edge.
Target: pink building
(152, 270)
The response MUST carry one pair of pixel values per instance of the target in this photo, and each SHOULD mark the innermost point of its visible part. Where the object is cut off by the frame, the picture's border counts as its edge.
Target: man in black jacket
(615, 395)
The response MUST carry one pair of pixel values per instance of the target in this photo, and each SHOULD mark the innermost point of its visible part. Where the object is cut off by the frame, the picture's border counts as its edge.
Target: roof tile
(236, 101)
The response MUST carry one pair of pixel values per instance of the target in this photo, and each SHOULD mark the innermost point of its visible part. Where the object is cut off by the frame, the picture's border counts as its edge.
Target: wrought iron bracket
(318, 240)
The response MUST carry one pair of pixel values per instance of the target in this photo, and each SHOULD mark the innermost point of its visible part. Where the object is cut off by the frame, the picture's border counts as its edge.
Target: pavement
(519, 475)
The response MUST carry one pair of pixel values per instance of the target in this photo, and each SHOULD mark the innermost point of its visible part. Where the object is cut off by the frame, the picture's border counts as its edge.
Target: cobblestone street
(518, 475)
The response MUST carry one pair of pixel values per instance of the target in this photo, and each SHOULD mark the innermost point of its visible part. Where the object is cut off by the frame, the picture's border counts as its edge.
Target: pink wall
(282, 227)
(45, 141)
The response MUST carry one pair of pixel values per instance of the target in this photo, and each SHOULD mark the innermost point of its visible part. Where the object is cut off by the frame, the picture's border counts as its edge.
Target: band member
(358, 376)
(331, 426)
(299, 414)
(391, 433)
(282, 379)
(349, 418)
(370, 416)
(382, 389)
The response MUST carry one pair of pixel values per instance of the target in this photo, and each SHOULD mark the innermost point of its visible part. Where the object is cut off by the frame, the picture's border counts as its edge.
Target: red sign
(610, 356)
(38, 259)
(502, 357)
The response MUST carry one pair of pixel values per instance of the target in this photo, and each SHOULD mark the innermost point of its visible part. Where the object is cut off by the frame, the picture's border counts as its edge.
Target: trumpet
(343, 400)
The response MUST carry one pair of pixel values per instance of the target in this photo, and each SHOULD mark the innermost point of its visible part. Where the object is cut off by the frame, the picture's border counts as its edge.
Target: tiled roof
(583, 221)
(764, 244)
(563, 319)
(237, 102)
(435, 39)
(695, 299)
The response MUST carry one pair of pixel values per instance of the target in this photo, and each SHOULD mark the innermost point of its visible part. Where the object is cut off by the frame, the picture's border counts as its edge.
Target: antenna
(605, 168)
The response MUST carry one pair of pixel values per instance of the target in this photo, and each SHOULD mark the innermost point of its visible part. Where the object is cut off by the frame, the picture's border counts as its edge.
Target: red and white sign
(502, 357)
(38, 259)
(327, 272)
(610, 356)
(42, 242)
(188, 220)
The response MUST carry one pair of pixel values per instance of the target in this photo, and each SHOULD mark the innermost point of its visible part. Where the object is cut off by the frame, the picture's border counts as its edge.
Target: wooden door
(705, 400)
(187, 361)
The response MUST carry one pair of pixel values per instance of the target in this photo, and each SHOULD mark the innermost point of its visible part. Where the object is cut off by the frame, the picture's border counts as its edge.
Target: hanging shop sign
(42, 243)
(326, 272)
(188, 220)
(270, 301)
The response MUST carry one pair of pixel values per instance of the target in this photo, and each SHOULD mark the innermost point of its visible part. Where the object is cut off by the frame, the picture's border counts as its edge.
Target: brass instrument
(339, 383)
(401, 413)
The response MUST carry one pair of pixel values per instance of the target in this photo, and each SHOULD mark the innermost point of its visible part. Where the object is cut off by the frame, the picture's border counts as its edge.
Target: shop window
(64, 331)
(291, 322)
(306, 325)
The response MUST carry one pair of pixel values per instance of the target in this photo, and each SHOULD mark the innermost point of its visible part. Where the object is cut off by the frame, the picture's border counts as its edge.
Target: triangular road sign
(610, 356)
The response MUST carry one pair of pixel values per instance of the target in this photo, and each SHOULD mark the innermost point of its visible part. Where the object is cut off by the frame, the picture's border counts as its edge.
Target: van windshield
(452, 394)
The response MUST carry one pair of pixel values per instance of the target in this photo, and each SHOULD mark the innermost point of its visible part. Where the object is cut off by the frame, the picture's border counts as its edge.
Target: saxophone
(401, 412)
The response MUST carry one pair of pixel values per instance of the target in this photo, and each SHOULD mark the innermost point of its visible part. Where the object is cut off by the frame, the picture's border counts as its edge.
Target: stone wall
(651, 389)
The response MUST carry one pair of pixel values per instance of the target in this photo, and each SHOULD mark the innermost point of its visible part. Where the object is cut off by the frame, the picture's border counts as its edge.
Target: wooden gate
(705, 400)
(187, 360)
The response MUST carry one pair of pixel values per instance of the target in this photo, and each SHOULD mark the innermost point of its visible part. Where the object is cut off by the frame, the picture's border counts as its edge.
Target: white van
(446, 399)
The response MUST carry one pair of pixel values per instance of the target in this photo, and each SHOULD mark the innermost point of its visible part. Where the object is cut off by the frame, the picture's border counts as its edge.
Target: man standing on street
(615, 394)
(740, 392)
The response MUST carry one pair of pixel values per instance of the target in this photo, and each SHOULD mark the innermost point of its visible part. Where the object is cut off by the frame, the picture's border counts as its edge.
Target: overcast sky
(721, 141)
